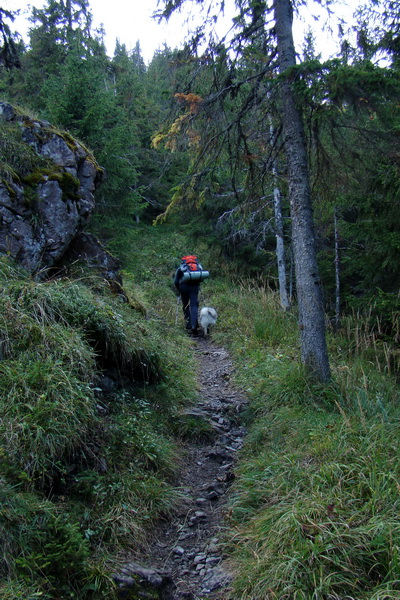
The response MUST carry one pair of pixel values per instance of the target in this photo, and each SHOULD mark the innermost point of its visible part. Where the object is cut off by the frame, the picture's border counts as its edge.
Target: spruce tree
(252, 21)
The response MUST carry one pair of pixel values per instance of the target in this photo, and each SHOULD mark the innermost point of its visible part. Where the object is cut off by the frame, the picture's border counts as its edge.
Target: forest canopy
(201, 129)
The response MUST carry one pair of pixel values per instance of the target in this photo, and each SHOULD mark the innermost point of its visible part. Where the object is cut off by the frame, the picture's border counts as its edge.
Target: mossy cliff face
(47, 182)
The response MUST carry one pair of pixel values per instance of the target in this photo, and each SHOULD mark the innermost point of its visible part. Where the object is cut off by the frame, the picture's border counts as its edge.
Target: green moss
(68, 183)
(69, 140)
(38, 176)
(6, 183)
(18, 158)
(30, 196)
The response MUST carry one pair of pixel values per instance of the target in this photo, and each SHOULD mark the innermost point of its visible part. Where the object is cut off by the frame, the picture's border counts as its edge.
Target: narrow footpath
(185, 560)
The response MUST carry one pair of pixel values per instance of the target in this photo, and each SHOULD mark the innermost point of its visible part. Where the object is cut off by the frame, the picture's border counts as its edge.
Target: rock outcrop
(86, 248)
(47, 184)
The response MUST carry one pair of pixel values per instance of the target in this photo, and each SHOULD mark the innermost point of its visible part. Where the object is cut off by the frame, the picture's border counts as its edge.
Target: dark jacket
(178, 277)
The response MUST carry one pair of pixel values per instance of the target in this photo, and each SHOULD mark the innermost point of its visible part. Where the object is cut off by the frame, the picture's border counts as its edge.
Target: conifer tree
(308, 282)
(9, 56)
(252, 19)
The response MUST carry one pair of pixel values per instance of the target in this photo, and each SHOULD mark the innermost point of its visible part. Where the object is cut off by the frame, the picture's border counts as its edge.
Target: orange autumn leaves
(183, 125)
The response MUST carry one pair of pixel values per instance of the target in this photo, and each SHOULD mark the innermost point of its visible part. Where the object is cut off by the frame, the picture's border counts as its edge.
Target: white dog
(208, 316)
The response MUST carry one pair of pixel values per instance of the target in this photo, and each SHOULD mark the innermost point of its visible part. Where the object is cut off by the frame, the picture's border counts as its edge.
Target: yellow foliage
(193, 100)
(175, 201)
(170, 138)
(157, 140)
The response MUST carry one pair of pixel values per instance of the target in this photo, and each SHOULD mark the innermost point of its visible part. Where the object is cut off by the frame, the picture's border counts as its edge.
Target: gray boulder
(47, 196)
(138, 581)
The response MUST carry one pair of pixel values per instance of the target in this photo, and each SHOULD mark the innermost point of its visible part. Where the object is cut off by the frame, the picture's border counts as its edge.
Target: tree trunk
(280, 250)
(314, 352)
(337, 272)
(280, 244)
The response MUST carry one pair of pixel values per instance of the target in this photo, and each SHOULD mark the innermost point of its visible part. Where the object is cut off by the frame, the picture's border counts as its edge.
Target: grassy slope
(84, 473)
(316, 506)
(315, 509)
(316, 502)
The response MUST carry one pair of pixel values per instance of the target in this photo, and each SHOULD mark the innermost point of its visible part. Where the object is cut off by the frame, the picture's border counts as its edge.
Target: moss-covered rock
(47, 182)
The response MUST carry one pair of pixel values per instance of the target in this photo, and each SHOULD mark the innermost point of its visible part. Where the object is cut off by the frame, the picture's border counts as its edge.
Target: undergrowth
(315, 509)
(92, 392)
(89, 387)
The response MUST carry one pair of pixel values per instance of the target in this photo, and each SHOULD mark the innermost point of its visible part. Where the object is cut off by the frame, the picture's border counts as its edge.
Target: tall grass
(373, 337)
(84, 472)
(315, 511)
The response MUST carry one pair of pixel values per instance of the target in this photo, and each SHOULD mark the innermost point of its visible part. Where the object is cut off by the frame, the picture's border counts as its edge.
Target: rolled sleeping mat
(195, 276)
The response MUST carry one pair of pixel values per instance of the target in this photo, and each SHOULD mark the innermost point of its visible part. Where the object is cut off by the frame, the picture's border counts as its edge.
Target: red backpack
(190, 263)
(192, 269)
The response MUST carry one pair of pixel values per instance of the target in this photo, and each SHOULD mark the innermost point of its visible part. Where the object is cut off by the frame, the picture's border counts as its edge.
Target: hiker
(187, 281)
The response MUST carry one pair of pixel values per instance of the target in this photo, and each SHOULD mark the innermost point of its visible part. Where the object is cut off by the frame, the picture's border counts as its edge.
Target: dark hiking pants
(190, 303)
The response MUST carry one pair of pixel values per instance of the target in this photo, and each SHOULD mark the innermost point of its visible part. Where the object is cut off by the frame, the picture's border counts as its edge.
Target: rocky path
(186, 559)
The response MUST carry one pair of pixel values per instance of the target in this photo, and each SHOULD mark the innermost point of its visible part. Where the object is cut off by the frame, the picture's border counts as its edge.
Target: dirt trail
(185, 560)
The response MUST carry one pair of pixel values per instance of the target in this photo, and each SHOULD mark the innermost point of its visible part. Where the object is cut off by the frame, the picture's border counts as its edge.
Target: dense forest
(281, 171)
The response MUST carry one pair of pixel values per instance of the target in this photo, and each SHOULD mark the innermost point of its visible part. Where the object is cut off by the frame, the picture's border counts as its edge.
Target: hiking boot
(195, 333)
